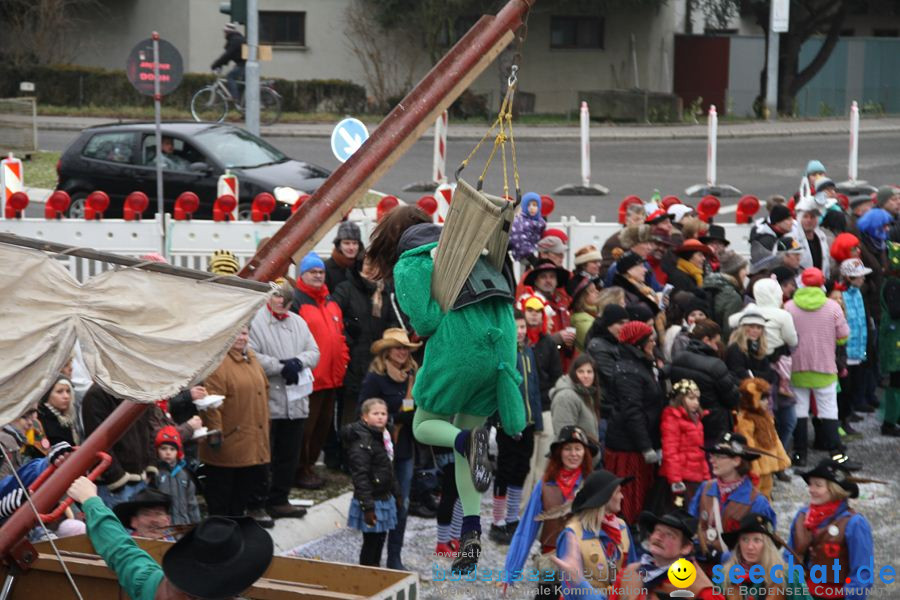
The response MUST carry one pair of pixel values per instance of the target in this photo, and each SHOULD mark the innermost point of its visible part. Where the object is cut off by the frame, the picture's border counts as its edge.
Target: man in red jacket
(326, 323)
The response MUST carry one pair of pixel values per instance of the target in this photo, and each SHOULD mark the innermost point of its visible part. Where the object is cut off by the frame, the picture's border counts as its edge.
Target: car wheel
(77, 205)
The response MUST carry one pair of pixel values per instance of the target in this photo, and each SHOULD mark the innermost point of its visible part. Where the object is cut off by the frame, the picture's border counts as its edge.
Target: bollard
(12, 180)
(853, 186)
(712, 187)
(440, 149)
(228, 185)
(586, 188)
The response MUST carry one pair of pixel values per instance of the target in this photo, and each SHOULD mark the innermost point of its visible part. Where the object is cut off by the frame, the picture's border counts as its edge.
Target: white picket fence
(192, 242)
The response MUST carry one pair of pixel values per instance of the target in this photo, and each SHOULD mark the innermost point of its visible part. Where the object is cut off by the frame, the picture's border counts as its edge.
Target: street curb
(321, 520)
(557, 133)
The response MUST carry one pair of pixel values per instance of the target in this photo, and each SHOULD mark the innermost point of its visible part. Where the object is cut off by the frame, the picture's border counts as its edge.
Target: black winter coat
(53, 429)
(370, 466)
(335, 274)
(549, 367)
(604, 351)
(637, 400)
(354, 296)
(718, 389)
(234, 43)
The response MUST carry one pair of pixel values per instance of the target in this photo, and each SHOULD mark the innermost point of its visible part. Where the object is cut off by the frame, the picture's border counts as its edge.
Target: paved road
(762, 166)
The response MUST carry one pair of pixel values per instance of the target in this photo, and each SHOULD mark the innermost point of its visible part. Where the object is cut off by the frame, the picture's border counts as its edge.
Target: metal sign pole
(157, 98)
(251, 71)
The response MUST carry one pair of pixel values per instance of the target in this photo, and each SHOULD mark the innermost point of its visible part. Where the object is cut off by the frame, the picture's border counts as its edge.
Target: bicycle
(211, 102)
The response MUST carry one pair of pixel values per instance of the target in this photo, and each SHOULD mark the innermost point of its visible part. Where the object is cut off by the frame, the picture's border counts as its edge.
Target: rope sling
(477, 223)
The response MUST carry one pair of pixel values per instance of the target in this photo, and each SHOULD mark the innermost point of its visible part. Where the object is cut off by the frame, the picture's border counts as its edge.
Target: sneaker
(890, 430)
(511, 528)
(454, 545)
(444, 550)
(500, 534)
(847, 428)
(286, 511)
(261, 517)
(479, 463)
(469, 553)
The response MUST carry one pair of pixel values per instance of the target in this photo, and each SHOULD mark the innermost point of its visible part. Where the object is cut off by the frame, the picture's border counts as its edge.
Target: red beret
(634, 333)
(812, 277)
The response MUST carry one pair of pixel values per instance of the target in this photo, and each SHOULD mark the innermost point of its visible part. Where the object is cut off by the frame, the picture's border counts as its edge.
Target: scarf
(388, 444)
(819, 512)
(396, 373)
(342, 261)
(279, 317)
(651, 574)
(691, 269)
(377, 300)
(317, 294)
(610, 526)
(725, 489)
(533, 334)
(64, 420)
(566, 481)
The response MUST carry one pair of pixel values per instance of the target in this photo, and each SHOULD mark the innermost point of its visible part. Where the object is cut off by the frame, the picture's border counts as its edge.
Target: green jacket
(139, 575)
(470, 358)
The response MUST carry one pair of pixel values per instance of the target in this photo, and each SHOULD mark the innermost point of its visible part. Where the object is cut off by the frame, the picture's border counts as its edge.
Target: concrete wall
(555, 75)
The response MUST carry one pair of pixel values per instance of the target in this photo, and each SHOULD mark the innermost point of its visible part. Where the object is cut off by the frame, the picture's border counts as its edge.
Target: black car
(121, 158)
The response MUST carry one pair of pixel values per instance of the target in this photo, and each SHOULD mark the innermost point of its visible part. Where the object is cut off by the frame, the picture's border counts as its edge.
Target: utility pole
(779, 19)
(251, 71)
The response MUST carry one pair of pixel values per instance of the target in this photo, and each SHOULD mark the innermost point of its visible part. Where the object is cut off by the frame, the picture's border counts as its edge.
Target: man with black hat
(723, 501)
(715, 239)
(764, 235)
(548, 281)
(146, 514)
(789, 253)
(218, 559)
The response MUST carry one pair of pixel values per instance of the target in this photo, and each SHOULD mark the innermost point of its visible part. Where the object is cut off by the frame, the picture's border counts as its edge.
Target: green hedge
(85, 86)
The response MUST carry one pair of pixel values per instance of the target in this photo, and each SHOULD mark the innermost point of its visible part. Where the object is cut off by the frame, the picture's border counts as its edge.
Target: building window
(576, 32)
(282, 28)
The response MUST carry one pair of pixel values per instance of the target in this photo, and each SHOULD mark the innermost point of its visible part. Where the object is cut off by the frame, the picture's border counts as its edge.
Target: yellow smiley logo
(682, 573)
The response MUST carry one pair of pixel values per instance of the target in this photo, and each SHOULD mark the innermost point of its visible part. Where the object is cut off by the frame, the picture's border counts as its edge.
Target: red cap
(634, 332)
(169, 435)
(558, 233)
(842, 245)
(812, 277)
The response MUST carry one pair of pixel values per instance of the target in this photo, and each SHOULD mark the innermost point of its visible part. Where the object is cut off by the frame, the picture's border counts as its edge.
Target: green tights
(441, 430)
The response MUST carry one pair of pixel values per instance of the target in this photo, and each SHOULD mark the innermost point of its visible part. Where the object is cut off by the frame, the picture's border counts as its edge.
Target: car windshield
(235, 148)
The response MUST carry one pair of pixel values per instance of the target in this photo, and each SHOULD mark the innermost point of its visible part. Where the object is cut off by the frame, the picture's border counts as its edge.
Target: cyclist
(234, 42)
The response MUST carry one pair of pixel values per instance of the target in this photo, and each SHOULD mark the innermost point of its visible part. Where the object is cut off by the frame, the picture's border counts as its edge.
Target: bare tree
(388, 64)
(43, 32)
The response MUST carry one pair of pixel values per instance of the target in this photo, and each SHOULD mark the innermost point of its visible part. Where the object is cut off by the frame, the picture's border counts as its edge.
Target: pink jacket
(820, 323)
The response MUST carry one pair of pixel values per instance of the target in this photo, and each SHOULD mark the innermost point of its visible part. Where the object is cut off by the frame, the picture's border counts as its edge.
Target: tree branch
(805, 75)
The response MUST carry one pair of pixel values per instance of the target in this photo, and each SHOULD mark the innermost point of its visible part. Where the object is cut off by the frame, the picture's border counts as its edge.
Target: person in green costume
(469, 369)
(889, 337)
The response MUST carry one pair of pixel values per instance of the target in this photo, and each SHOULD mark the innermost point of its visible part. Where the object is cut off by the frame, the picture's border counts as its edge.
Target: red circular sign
(140, 72)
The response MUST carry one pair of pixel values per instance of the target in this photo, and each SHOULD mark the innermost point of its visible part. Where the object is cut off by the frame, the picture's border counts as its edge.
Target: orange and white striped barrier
(12, 180)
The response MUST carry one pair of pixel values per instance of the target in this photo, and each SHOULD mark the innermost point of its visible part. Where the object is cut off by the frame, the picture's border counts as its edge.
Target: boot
(831, 438)
(801, 440)
(820, 441)
(469, 553)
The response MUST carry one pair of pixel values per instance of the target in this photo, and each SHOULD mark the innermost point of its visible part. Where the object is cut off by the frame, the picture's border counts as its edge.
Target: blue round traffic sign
(347, 138)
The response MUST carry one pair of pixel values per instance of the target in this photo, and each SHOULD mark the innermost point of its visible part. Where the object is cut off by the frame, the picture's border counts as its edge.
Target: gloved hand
(678, 487)
(369, 518)
(650, 456)
(291, 370)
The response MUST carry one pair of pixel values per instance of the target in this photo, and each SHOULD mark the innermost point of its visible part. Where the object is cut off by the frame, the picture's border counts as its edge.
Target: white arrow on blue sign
(347, 138)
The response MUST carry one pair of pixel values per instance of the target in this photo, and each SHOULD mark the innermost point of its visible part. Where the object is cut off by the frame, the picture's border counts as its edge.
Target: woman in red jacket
(684, 462)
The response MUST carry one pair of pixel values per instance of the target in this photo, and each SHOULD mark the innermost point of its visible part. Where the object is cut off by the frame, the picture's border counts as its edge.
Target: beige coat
(243, 417)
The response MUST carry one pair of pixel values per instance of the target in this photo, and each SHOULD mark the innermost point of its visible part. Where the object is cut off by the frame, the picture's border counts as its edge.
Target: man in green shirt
(220, 558)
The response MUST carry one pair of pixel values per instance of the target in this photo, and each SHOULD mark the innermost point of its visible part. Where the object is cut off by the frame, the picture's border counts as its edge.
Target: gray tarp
(144, 335)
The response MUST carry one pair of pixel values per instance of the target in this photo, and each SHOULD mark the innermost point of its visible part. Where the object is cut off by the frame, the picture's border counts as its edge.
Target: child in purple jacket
(527, 227)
